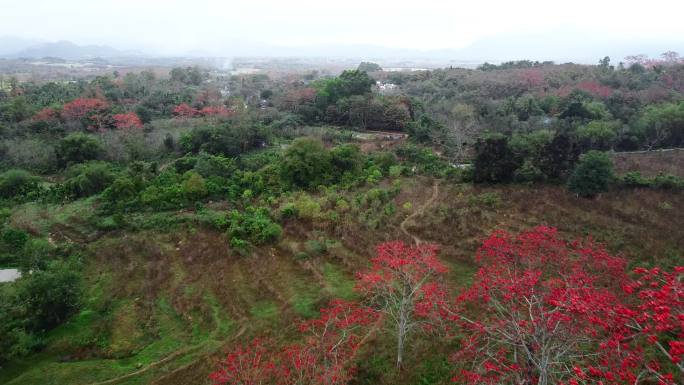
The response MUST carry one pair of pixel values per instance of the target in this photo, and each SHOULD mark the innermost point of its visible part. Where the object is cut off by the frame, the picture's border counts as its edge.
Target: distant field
(650, 163)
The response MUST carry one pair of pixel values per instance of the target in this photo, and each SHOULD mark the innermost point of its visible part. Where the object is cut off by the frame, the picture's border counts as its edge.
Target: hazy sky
(172, 26)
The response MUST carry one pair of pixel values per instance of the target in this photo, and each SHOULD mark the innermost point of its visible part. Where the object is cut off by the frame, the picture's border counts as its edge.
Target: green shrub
(15, 183)
(396, 171)
(598, 134)
(14, 239)
(253, 225)
(122, 190)
(307, 207)
(288, 211)
(634, 179)
(383, 160)
(592, 175)
(36, 254)
(34, 304)
(194, 187)
(77, 148)
(495, 162)
(487, 199)
(216, 219)
(423, 159)
(214, 165)
(668, 181)
(306, 163)
(50, 295)
(88, 179)
(528, 172)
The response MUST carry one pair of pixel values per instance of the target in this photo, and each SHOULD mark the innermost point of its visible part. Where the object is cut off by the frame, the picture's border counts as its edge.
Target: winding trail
(420, 211)
(168, 358)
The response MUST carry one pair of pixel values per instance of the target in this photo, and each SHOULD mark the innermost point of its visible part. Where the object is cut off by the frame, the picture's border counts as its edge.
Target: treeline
(623, 108)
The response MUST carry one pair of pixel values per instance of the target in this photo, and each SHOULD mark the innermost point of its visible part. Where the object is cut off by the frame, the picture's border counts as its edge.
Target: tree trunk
(401, 334)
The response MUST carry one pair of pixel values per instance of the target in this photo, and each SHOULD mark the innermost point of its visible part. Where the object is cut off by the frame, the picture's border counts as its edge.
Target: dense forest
(515, 223)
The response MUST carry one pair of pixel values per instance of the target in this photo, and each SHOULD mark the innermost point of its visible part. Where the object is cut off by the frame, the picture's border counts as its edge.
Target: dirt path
(164, 360)
(420, 211)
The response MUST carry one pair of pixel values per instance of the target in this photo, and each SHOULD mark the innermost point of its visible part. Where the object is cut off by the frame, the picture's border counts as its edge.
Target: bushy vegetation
(36, 303)
(192, 185)
(592, 175)
(17, 183)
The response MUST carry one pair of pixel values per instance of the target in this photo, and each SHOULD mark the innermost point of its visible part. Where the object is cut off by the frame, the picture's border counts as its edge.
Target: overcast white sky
(181, 25)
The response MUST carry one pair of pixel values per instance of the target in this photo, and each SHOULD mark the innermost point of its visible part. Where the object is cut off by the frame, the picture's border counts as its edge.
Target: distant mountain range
(558, 46)
(22, 48)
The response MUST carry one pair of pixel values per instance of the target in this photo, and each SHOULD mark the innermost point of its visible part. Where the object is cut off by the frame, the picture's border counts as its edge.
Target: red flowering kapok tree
(90, 111)
(402, 285)
(657, 320)
(331, 342)
(216, 111)
(127, 121)
(184, 111)
(324, 357)
(545, 311)
(47, 114)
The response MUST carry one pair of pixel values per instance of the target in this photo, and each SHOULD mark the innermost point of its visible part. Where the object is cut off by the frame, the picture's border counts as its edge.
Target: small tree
(324, 357)
(184, 111)
(591, 176)
(89, 111)
(77, 148)
(127, 121)
(494, 160)
(17, 182)
(400, 285)
(369, 67)
(306, 163)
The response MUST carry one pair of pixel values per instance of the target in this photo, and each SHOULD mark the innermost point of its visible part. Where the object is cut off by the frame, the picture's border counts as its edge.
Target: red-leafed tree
(545, 311)
(92, 112)
(251, 364)
(331, 341)
(402, 285)
(126, 121)
(657, 319)
(217, 111)
(47, 114)
(184, 111)
(592, 87)
(82, 107)
(324, 357)
(595, 88)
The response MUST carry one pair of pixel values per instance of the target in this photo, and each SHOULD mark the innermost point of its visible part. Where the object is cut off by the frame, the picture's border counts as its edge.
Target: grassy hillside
(164, 300)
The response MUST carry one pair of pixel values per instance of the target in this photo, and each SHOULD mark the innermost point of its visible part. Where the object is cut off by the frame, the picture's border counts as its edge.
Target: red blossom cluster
(92, 112)
(545, 311)
(401, 284)
(592, 87)
(127, 121)
(185, 111)
(47, 114)
(218, 111)
(83, 107)
(326, 355)
(540, 310)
